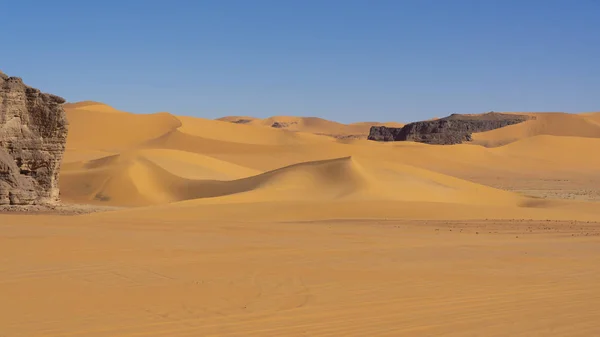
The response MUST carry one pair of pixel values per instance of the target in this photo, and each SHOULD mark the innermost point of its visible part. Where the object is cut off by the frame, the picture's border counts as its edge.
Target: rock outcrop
(453, 129)
(241, 121)
(282, 125)
(33, 134)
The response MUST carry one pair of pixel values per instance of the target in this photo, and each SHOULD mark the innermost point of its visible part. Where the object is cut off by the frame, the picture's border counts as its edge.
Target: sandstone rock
(453, 129)
(33, 134)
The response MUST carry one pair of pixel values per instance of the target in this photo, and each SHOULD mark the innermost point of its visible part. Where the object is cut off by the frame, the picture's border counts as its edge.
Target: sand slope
(99, 127)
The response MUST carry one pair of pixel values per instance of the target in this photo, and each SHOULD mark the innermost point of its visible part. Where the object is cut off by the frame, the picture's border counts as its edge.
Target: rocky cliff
(33, 133)
(453, 129)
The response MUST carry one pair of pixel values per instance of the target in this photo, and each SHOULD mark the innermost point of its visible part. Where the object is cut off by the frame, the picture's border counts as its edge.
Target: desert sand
(320, 126)
(229, 228)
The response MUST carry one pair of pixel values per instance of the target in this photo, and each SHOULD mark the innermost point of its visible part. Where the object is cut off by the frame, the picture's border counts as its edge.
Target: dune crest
(92, 106)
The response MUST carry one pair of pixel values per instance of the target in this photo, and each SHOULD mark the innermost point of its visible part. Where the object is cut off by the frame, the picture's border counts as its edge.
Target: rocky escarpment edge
(454, 129)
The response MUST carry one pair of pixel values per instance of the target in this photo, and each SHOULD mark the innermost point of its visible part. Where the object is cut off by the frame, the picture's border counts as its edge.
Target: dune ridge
(137, 178)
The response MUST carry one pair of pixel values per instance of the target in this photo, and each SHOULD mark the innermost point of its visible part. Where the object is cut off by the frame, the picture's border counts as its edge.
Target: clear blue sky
(344, 60)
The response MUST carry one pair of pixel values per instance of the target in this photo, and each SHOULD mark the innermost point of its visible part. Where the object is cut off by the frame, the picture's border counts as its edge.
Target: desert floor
(320, 278)
(179, 226)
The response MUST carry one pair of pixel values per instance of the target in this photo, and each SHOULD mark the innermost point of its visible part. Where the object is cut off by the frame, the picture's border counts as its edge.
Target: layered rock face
(453, 129)
(33, 135)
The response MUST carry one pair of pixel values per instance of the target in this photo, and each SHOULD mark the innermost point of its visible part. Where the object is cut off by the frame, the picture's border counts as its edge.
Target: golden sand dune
(350, 179)
(145, 178)
(150, 177)
(94, 126)
(160, 159)
(98, 127)
(594, 117)
(77, 155)
(313, 125)
(553, 124)
(196, 166)
(541, 154)
(91, 106)
(556, 152)
(242, 133)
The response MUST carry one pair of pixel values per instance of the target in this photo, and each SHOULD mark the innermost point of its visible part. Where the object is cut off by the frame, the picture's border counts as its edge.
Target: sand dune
(196, 166)
(98, 127)
(242, 133)
(553, 124)
(594, 117)
(77, 155)
(160, 159)
(350, 179)
(144, 178)
(312, 125)
(558, 152)
(293, 149)
(91, 106)
(347, 188)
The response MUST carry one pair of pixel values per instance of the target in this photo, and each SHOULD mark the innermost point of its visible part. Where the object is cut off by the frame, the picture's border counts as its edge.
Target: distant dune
(313, 125)
(551, 123)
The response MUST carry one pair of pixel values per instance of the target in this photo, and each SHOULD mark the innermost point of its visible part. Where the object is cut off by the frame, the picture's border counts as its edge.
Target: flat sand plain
(80, 277)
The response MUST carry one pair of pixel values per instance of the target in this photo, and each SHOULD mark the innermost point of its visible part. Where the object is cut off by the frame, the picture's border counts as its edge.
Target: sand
(181, 226)
(337, 278)
(314, 125)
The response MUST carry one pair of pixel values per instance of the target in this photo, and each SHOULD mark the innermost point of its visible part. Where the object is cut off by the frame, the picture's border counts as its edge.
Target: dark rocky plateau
(33, 135)
(454, 129)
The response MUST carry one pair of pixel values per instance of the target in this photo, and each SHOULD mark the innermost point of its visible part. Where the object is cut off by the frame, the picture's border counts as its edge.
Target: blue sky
(344, 60)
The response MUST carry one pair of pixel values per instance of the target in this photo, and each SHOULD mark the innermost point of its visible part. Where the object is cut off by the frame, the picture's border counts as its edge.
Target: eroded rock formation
(33, 134)
(453, 129)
